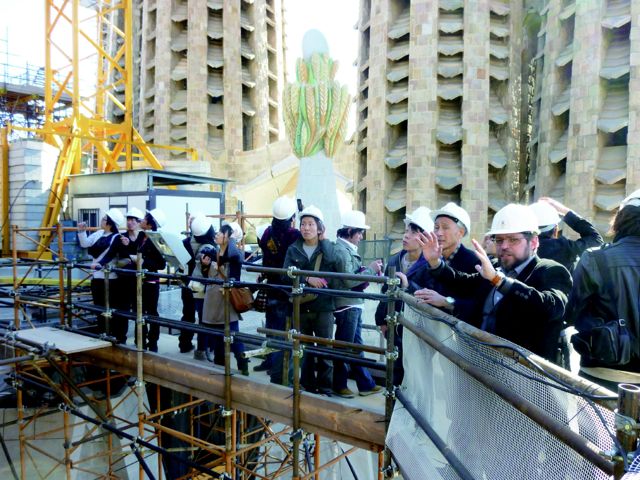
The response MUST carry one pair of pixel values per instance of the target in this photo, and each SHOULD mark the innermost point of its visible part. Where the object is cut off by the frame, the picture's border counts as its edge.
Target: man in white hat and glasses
(451, 225)
(348, 312)
(528, 295)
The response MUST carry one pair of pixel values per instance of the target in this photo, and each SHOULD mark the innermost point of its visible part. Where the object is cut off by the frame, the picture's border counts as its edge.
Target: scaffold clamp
(291, 333)
(226, 413)
(290, 271)
(625, 423)
(228, 339)
(392, 355)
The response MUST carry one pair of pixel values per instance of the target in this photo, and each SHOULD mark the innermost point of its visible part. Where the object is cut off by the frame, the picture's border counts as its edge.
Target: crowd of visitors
(524, 282)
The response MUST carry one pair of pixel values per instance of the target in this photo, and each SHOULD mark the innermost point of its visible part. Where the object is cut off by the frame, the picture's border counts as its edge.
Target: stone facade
(485, 102)
(211, 76)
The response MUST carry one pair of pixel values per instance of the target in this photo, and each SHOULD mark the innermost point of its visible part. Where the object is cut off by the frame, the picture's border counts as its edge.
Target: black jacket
(591, 297)
(152, 259)
(565, 251)
(418, 277)
(531, 312)
(468, 304)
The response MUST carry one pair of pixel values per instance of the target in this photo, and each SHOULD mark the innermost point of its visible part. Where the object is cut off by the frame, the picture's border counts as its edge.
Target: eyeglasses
(511, 241)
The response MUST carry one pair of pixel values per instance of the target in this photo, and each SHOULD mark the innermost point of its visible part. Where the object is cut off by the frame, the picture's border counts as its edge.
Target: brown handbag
(241, 298)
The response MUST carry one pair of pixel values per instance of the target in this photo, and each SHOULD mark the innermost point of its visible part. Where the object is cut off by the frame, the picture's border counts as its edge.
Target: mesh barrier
(489, 436)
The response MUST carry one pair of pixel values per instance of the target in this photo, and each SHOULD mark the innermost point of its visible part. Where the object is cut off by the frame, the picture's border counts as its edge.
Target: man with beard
(528, 296)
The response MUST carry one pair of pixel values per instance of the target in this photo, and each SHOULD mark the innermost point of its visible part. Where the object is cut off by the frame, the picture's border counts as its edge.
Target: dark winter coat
(418, 277)
(565, 251)
(592, 297)
(531, 312)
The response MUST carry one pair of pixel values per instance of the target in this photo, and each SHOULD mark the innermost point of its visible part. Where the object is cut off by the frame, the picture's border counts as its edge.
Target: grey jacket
(348, 261)
(297, 257)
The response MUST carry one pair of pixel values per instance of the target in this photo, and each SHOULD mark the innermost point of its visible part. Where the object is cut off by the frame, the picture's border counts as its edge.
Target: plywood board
(62, 340)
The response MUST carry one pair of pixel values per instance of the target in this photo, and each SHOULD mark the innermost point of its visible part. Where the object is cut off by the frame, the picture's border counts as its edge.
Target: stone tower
(211, 77)
(483, 102)
(585, 145)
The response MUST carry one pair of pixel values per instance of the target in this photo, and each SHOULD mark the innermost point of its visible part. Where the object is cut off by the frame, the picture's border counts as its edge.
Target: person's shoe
(208, 355)
(373, 391)
(245, 371)
(152, 347)
(262, 367)
(186, 348)
(199, 355)
(344, 393)
(325, 391)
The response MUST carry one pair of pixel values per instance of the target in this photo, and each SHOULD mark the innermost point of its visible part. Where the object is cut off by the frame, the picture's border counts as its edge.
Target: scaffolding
(193, 421)
(189, 424)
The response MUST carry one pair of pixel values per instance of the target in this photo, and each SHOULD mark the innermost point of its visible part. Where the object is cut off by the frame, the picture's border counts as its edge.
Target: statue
(315, 109)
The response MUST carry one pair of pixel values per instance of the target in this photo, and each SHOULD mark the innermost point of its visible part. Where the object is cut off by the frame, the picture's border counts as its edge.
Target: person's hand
(485, 269)
(404, 283)
(125, 240)
(376, 266)
(95, 266)
(383, 330)
(431, 297)
(560, 208)
(82, 227)
(431, 249)
(317, 282)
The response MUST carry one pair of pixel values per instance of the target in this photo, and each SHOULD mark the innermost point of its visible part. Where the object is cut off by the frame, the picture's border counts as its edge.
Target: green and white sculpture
(316, 108)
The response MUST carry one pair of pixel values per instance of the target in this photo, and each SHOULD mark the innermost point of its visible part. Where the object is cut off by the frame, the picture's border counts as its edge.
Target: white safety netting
(490, 437)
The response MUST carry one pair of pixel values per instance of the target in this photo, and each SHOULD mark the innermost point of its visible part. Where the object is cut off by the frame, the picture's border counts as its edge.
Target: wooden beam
(355, 425)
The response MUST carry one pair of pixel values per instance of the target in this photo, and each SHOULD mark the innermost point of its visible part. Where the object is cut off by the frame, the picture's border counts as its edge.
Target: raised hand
(485, 269)
(431, 250)
(560, 208)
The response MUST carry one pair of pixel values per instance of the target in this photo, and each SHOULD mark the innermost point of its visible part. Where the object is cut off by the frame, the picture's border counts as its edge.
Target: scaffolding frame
(290, 452)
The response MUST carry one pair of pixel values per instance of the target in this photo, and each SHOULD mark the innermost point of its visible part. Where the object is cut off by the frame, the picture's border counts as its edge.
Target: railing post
(391, 357)
(296, 435)
(627, 416)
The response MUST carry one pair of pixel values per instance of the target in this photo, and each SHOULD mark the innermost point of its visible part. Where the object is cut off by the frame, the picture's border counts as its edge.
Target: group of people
(108, 246)
(524, 282)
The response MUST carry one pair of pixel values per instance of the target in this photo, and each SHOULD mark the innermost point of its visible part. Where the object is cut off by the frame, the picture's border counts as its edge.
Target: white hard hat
(237, 232)
(547, 216)
(456, 212)
(633, 200)
(284, 208)
(159, 216)
(354, 219)
(514, 218)
(200, 224)
(421, 217)
(135, 213)
(260, 229)
(115, 215)
(312, 211)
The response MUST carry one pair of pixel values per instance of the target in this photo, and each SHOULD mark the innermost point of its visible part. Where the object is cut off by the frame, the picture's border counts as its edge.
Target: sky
(22, 34)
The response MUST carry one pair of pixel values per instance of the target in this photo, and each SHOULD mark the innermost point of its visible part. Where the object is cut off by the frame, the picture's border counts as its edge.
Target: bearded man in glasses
(527, 295)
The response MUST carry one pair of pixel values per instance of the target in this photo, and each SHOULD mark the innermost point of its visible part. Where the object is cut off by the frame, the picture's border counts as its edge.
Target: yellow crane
(84, 43)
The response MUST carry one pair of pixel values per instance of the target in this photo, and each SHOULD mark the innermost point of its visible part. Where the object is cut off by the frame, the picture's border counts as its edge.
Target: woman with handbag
(316, 311)
(228, 265)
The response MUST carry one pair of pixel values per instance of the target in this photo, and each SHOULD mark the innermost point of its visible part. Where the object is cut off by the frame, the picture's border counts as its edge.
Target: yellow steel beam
(4, 154)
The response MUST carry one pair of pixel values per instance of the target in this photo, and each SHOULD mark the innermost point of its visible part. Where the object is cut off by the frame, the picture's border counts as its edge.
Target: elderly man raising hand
(527, 295)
